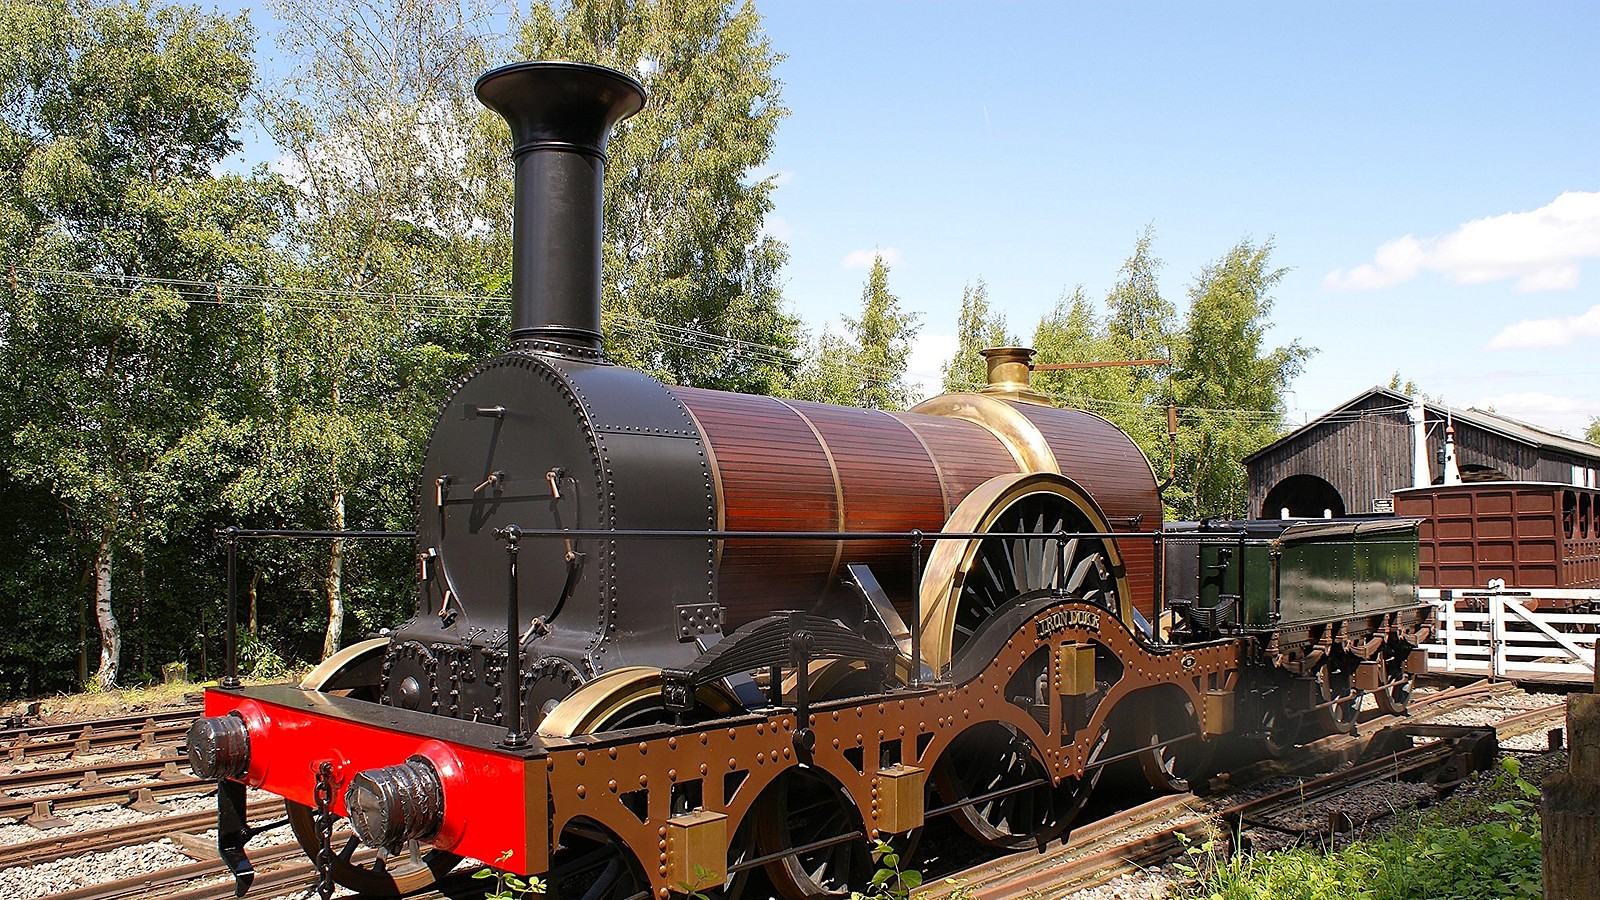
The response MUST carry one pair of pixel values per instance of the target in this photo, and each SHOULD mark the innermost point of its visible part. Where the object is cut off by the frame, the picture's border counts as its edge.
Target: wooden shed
(1349, 460)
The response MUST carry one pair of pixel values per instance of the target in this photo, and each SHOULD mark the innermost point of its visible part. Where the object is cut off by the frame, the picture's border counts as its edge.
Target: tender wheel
(966, 581)
(363, 870)
(803, 809)
(1013, 801)
(1395, 699)
(1337, 684)
(1275, 729)
(1172, 767)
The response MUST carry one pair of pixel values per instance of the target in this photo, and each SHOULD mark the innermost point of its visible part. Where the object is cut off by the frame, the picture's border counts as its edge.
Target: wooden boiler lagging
(785, 465)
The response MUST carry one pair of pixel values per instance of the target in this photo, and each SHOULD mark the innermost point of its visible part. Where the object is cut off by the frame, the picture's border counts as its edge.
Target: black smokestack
(561, 115)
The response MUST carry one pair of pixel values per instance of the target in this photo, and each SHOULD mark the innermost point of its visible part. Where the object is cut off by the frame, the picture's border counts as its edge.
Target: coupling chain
(324, 821)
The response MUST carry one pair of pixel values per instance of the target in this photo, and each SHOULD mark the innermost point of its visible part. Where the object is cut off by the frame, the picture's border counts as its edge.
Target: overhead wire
(477, 306)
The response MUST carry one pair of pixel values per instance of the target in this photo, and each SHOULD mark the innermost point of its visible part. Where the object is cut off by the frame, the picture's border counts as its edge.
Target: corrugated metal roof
(1532, 435)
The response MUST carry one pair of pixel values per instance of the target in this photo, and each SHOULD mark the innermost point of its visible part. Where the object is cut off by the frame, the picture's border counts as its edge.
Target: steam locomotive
(666, 637)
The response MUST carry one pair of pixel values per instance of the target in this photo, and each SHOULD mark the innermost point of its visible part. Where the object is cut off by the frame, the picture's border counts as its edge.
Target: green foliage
(1228, 384)
(978, 329)
(391, 166)
(867, 368)
(1432, 855)
(112, 116)
(683, 211)
(889, 881)
(1592, 435)
(508, 886)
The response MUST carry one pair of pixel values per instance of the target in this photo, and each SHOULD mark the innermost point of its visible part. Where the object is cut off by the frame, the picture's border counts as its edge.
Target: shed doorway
(1305, 497)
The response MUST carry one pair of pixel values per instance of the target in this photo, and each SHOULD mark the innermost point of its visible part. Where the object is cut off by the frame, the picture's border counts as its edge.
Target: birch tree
(389, 152)
(112, 118)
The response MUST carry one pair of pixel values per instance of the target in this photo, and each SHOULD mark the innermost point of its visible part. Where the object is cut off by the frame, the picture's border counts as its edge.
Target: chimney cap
(564, 105)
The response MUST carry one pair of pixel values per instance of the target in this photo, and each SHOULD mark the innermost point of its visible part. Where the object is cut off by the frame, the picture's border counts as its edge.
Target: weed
(508, 886)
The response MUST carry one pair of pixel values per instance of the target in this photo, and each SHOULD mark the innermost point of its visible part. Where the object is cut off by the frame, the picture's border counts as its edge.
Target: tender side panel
(1107, 464)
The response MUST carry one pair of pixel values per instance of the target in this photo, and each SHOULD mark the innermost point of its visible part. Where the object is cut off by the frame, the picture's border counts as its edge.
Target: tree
(1072, 332)
(978, 328)
(867, 366)
(393, 159)
(1229, 386)
(883, 336)
(1592, 435)
(1139, 324)
(114, 115)
(684, 252)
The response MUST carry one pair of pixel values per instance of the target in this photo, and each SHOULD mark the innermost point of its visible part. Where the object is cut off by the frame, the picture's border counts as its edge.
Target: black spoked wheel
(1007, 800)
(1176, 753)
(1275, 730)
(601, 867)
(1341, 699)
(804, 812)
(591, 864)
(1395, 698)
(1006, 567)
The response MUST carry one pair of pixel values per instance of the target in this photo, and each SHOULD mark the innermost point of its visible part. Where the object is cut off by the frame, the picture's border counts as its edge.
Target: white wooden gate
(1496, 633)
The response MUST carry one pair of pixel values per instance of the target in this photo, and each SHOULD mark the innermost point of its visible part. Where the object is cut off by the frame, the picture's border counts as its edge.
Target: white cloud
(1534, 334)
(1541, 249)
(928, 355)
(1568, 414)
(862, 259)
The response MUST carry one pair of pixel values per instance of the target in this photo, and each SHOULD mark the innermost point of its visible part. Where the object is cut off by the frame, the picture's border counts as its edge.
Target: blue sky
(1428, 172)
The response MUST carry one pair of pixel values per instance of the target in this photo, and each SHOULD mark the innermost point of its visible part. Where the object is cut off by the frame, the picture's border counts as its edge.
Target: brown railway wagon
(1528, 534)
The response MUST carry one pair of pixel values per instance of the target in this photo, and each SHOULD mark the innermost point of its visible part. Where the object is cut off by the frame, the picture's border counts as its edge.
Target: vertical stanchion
(1497, 636)
(511, 680)
(916, 611)
(230, 646)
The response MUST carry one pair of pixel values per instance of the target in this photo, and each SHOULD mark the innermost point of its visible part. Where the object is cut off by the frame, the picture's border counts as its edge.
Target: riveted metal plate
(695, 619)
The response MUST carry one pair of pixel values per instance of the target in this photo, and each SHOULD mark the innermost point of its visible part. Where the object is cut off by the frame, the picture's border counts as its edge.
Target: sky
(1428, 173)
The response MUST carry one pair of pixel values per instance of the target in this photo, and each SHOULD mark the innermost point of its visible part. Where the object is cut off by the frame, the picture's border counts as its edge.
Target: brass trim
(719, 501)
(331, 666)
(838, 494)
(592, 706)
(933, 458)
(945, 573)
(1008, 375)
(1021, 437)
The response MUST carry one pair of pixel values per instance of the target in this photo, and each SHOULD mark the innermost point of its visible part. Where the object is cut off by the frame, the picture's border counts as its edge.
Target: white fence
(1502, 634)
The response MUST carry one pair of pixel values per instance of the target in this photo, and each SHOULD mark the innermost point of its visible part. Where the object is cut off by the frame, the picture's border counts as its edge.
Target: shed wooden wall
(1366, 457)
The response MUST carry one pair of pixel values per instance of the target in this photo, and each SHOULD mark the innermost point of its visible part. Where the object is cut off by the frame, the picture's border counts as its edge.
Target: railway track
(1124, 843)
(1144, 835)
(146, 732)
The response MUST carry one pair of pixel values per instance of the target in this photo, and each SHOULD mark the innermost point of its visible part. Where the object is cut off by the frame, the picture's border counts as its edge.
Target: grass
(1482, 843)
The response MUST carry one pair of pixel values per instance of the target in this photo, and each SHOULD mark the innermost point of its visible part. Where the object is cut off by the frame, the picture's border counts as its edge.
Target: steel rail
(60, 846)
(92, 774)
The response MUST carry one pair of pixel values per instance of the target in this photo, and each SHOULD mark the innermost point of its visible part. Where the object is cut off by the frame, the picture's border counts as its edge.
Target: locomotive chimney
(561, 115)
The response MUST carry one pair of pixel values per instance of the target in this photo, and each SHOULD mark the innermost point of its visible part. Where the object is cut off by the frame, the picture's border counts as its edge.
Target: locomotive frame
(675, 635)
